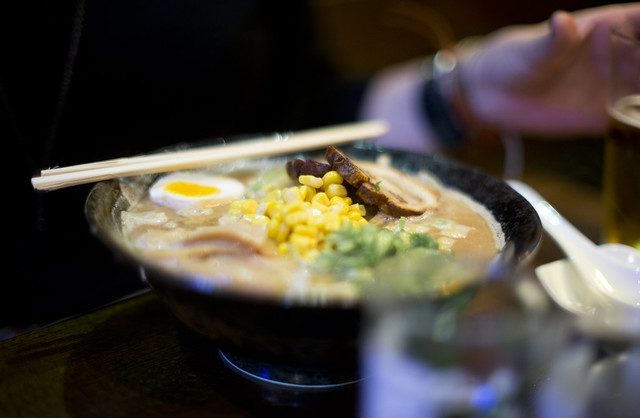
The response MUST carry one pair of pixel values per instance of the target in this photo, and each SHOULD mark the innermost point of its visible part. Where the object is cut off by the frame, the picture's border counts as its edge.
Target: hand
(549, 78)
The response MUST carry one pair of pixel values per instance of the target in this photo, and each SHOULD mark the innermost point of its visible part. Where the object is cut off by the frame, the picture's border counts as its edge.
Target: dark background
(147, 74)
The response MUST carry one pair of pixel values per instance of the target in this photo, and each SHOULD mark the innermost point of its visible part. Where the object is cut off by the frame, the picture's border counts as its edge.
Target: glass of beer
(621, 179)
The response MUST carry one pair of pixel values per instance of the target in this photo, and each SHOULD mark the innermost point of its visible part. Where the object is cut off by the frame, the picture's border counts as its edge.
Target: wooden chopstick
(56, 178)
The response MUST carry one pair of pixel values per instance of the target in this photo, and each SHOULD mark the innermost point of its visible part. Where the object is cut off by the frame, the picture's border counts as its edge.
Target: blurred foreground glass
(600, 370)
(478, 348)
(621, 180)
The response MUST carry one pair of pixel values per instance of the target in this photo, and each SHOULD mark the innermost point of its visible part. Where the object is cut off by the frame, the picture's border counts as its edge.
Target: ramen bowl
(300, 343)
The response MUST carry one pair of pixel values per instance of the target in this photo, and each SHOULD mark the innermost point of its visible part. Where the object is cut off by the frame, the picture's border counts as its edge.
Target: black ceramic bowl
(272, 337)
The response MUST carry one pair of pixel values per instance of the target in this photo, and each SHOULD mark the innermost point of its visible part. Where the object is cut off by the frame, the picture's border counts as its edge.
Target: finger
(543, 47)
(557, 46)
(564, 34)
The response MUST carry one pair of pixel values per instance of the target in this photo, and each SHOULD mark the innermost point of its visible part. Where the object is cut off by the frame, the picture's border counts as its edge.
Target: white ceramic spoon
(611, 269)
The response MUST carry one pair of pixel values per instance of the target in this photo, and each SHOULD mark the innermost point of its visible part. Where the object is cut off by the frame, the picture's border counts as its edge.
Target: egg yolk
(190, 189)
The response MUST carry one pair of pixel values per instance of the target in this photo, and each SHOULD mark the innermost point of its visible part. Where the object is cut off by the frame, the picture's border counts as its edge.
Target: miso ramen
(309, 230)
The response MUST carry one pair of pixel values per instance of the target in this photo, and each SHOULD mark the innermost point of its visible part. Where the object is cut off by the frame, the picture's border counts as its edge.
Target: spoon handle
(572, 241)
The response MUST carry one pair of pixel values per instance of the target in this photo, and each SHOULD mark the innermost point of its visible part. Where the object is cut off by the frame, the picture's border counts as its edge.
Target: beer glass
(621, 179)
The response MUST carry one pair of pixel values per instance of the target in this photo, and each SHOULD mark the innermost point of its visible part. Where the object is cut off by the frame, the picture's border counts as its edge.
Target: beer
(621, 182)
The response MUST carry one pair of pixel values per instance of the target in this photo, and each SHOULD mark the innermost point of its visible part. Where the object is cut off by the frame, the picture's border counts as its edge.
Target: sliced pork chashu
(393, 192)
(346, 167)
(396, 193)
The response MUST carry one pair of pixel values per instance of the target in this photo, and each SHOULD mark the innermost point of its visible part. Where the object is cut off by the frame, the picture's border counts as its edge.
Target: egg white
(226, 190)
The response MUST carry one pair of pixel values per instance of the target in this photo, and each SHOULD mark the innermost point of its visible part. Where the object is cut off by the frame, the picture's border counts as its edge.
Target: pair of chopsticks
(57, 178)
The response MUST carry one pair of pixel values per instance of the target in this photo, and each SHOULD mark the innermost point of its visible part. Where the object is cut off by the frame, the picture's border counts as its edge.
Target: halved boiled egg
(195, 190)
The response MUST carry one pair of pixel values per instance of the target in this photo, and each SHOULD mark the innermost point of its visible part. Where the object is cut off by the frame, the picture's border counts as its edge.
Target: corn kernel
(333, 190)
(249, 206)
(354, 215)
(296, 217)
(336, 200)
(321, 198)
(274, 209)
(319, 207)
(316, 209)
(292, 207)
(301, 243)
(307, 192)
(311, 181)
(339, 209)
(291, 195)
(263, 208)
(283, 248)
(317, 221)
(308, 230)
(282, 234)
(303, 192)
(331, 177)
(331, 221)
(272, 228)
(358, 208)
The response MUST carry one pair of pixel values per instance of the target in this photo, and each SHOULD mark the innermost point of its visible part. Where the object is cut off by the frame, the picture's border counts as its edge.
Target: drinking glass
(621, 179)
(476, 349)
(595, 374)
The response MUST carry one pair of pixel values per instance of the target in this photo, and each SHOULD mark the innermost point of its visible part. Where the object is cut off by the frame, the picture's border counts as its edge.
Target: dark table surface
(133, 358)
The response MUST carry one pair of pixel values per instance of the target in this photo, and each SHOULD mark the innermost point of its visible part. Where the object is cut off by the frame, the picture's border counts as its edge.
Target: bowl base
(288, 377)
